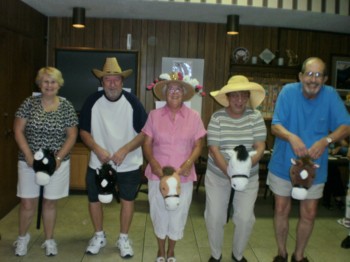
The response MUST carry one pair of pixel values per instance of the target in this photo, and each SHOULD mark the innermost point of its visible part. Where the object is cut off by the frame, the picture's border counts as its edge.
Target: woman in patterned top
(238, 123)
(48, 122)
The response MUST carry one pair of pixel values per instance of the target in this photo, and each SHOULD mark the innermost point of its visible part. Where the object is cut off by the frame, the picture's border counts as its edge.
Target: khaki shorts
(284, 187)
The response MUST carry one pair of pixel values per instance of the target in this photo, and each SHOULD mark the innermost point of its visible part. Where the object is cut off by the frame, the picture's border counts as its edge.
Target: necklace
(51, 105)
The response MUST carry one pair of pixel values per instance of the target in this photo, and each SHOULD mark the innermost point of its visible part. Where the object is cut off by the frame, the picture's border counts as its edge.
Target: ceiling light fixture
(232, 24)
(78, 17)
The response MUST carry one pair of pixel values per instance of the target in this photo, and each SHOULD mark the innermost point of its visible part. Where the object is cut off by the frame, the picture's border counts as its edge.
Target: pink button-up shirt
(173, 140)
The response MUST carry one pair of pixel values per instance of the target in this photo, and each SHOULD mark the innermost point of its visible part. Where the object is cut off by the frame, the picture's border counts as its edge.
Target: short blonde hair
(52, 72)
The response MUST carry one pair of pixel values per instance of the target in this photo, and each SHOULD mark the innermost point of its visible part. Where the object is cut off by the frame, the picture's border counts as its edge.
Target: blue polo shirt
(311, 120)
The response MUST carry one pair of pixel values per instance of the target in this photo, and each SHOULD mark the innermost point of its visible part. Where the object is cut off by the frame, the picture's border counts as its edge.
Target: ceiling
(195, 12)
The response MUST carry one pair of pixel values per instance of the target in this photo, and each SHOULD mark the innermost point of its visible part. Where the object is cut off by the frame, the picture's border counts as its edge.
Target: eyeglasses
(313, 74)
(175, 90)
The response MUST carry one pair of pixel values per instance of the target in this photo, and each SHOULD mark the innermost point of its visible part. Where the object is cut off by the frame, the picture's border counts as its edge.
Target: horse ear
(230, 152)
(176, 174)
(252, 153)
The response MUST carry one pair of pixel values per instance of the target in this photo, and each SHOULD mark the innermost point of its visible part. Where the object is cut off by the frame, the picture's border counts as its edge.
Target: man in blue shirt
(309, 115)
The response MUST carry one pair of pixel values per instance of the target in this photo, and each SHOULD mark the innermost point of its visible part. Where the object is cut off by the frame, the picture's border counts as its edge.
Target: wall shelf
(265, 71)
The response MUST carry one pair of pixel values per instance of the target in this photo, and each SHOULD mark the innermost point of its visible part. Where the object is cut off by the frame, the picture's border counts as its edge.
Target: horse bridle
(172, 196)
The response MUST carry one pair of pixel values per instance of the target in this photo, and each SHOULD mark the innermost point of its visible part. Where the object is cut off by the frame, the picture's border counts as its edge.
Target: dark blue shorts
(127, 183)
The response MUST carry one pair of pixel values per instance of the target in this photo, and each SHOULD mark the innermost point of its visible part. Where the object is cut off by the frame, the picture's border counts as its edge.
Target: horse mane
(306, 161)
(168, 170)
(242, 153)
(303, 163)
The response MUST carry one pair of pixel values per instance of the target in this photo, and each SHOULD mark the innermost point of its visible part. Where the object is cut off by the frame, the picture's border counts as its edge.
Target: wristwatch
(329, 140)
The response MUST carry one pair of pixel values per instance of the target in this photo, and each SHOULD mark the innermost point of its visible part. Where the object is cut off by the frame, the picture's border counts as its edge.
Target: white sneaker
(344, 222)
(124, 246)
(95, 244)
(51, 247)
(21, 245)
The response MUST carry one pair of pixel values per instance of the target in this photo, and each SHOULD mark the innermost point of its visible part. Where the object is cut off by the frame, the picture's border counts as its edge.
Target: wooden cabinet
(80, 156)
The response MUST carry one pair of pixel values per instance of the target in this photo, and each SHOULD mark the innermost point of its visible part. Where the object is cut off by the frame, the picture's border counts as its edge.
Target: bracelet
(58, 158)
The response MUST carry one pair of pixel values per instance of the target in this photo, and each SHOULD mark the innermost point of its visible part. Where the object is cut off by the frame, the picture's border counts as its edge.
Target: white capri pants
(57, 188)
(165, 222)
(218, 191)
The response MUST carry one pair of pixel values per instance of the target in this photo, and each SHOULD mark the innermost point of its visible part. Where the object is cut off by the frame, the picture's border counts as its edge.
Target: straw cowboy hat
(111, 68)
(240, 83)
(159, 88)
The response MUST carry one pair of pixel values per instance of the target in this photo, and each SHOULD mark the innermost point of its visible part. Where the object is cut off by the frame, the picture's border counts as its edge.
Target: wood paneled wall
(154, 40)
(157, 39)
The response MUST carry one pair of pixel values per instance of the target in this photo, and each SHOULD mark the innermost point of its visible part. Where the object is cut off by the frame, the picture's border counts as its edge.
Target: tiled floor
(73, 230)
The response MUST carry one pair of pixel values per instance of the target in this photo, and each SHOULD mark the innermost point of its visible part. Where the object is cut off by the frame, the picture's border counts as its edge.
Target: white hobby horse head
(239, 166)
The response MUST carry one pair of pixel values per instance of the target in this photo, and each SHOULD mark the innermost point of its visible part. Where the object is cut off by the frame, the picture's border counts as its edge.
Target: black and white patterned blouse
(46, 130)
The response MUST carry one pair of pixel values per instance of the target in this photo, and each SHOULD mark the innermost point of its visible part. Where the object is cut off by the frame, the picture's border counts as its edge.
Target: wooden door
(16, 83)
(7, 156)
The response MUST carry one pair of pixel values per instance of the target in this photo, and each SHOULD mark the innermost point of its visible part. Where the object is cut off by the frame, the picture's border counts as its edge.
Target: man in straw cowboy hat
(174, 137)
(110, 125)
(237, 123)
(308, 117)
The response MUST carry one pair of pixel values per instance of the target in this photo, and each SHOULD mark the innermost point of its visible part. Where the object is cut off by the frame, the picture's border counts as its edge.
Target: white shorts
(165, 222)
(57, 188)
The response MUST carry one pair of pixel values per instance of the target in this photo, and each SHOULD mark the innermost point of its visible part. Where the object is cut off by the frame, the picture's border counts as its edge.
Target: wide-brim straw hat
(240, 83)
(111, 68)
(160, 87)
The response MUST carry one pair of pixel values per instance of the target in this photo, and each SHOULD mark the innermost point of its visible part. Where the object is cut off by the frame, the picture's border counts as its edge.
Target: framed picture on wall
(341, 72)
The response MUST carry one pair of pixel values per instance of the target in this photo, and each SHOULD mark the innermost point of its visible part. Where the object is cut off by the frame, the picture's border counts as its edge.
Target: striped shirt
(227, 132)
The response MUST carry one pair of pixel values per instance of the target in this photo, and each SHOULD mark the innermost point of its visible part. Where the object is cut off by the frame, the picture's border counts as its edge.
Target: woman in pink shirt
(174, 137)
